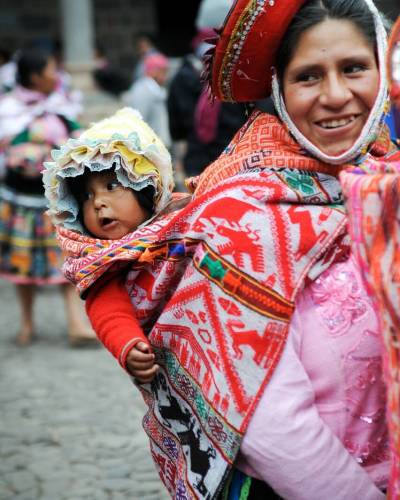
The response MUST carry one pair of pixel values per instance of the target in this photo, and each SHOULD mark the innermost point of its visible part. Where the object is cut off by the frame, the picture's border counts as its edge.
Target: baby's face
(110, 211)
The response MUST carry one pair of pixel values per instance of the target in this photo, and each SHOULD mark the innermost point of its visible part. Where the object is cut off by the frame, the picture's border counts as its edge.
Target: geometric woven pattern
(214, 288)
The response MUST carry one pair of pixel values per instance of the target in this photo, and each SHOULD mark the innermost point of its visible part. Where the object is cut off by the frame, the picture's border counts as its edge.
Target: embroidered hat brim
(247, 46)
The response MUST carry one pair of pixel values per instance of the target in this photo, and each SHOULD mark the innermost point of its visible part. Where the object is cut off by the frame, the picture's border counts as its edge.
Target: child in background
(116, 177)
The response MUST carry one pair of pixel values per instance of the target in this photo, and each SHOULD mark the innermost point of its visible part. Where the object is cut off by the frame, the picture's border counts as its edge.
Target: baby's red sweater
(112, 316)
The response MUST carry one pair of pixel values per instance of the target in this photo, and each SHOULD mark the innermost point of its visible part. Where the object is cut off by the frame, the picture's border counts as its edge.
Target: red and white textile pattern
(373, 201)
(214, 287)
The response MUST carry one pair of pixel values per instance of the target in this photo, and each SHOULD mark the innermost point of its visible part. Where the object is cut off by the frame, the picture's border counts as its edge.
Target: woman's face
(330, 85)
(46, 80)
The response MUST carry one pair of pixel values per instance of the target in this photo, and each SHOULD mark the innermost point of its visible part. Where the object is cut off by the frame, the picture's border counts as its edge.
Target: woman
(326, 91)
(34, 118)
(267, 342)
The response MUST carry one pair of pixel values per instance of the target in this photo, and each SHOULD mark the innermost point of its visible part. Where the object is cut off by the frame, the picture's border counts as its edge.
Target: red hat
(246, 48)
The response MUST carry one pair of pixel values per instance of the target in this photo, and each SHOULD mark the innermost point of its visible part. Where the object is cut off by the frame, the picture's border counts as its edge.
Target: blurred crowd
(40, 109)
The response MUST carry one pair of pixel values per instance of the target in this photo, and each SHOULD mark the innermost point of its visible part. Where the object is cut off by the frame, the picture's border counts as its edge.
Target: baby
(113, 179)
(108, 210)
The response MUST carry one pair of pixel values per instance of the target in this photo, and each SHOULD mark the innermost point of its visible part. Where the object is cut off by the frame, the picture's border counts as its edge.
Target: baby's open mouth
(105, 221)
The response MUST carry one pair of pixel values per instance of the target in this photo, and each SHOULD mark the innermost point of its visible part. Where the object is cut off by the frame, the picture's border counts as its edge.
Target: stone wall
(117, 24)
(22, 21)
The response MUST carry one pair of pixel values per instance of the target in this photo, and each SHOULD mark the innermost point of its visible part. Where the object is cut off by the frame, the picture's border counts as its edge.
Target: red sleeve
(112, 316)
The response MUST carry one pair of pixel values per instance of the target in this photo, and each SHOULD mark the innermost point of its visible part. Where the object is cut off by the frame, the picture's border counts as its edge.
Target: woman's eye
(307, 77)
(354, 68)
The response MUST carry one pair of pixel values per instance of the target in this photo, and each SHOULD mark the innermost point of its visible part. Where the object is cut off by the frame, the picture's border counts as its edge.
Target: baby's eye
(87, 196)
(112, 185)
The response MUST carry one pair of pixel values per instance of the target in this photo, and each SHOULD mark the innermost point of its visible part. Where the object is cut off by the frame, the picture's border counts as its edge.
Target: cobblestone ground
(70, 419)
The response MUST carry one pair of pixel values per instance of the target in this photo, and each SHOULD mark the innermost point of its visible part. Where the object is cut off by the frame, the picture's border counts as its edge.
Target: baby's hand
(140, 363)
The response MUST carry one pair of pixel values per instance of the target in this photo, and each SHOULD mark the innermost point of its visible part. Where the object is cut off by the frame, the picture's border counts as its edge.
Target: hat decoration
(239, 67)
(123, 142)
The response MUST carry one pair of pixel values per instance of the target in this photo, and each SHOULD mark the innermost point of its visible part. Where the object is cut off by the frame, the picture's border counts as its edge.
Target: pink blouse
(319, 430)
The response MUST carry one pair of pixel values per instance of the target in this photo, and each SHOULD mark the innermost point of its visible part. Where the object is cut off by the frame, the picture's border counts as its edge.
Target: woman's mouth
(336, 123)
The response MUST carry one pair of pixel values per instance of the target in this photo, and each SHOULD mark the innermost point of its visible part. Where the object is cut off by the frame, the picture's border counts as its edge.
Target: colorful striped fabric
(373, 201)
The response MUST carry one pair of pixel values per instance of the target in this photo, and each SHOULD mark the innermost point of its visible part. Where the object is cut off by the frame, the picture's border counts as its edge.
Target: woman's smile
(340, 127)
(336, 123)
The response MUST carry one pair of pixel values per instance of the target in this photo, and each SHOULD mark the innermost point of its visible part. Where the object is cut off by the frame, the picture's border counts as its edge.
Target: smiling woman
(331, 84)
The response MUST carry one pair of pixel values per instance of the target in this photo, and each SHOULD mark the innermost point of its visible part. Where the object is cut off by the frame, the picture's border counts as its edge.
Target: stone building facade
(117, 24)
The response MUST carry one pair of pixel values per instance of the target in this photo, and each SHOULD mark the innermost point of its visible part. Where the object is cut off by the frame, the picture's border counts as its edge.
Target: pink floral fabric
(341, 333)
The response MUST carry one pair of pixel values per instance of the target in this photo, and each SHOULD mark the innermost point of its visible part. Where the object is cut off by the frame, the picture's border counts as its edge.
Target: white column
(78, 39)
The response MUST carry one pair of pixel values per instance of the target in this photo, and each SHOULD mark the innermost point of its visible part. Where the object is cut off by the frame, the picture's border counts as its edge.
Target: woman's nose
(335, 92)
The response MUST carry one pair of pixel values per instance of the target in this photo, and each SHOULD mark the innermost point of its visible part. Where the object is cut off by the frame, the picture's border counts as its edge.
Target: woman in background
(34, 118)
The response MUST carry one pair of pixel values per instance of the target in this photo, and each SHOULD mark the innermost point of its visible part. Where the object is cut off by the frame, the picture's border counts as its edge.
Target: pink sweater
(323, 413)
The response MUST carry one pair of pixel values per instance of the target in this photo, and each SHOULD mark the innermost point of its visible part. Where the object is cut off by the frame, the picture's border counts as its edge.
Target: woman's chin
(335, 149)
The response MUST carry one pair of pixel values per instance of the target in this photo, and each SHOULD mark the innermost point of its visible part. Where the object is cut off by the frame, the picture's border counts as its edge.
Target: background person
(205, 127)
(33, 119)
(148, 95)
(145, 46)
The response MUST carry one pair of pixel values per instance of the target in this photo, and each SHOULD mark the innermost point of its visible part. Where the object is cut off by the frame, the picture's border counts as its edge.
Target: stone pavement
(70, 419)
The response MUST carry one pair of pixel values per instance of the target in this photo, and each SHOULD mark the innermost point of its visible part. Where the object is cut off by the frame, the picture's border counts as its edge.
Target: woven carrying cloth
(214, 287)
(373, 200)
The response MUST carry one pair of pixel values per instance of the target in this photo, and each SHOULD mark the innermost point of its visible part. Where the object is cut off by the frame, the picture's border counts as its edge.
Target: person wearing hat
(268, 344)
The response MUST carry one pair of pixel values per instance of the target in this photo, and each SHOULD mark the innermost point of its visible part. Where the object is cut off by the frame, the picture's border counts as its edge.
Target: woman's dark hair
(314, 12)
(29, 62)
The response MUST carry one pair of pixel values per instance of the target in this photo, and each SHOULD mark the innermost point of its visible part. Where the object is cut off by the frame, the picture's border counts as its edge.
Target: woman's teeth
(337, 123)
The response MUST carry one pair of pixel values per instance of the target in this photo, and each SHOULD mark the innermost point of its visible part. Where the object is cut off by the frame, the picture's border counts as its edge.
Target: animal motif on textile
(214, 288)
